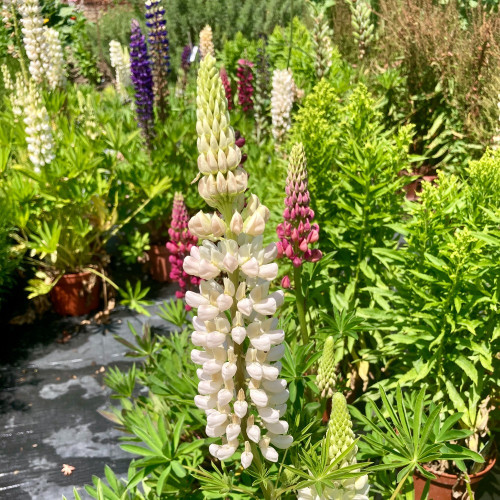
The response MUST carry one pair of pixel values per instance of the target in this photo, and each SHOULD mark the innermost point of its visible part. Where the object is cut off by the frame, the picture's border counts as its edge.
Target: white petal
(224, 302)
(246, 459)
(215, 431)
(217, 418)
(238, 334)
(255, 370)
(269, 453)
(228, 370)
(270, 372)
(280, 427)
(281, 441)
(253, 433)
(275, 385)
(245, 307)
(240, 408)
(215, 339)
(262, 342)
(233, 431)
(269, 414)
(209, 386)
(268, 271)
(279, 398)
(199, 357)
(207, 312)
(276, 353)
(259, 397)
(224, 397)
(205, 402)
(194, 299)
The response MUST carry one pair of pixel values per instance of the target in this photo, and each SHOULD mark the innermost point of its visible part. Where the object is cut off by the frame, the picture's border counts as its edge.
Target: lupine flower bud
(239, 387)
(325, 380)
(227, 88)
(160, 49)
(296, 233)
(282, 96)
(245, 87)
(8, 84)
(362, 26)
(142, 78)
(323, 48)
(206, 42)
(219, 159)
(340, 437)
(55, 70)
(180, 244)
(120, 60)
(34, 39)
(38, 131)
(19, 97)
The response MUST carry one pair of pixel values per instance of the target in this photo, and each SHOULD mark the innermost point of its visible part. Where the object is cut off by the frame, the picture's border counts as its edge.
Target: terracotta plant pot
(159, 266)
(444, 485)
(76, 294)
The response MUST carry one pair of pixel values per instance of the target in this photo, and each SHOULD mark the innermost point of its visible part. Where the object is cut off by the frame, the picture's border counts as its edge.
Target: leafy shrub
(447, 295)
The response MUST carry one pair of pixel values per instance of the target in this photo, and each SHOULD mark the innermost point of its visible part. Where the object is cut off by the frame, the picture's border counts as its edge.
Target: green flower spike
(219, 157)
(340, 430)
(325, 380)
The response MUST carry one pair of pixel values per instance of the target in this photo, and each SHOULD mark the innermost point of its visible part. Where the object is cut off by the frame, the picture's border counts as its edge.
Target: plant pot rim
(491, 463)
(80, 273)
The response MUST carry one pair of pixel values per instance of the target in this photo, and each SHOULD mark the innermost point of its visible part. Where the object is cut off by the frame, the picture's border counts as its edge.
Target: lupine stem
(400, 485)
(301, 307)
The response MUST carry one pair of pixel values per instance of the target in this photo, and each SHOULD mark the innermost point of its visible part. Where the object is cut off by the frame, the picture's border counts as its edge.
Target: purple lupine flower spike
(142, 78)
(179, 246)
(185, 57)
(297, 233)
(227, 88)
(160, 50)
(245, 87)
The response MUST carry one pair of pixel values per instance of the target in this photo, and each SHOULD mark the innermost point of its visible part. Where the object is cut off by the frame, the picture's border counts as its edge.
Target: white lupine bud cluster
(206, 42)
(323, 47)
(223, 180)
(362, 26)
(241, 345)
(282, 96)
(55, 71)
(38, 131)
(19, 98)
(34, 39)
(120, 61)
(6, 12)
(340, 438)
(8, 84)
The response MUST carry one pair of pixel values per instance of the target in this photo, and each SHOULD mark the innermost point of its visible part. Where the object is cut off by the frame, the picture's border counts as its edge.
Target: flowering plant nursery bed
(331, 328)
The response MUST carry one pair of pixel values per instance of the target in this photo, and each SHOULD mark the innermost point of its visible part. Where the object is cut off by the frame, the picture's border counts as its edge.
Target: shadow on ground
(50, 394)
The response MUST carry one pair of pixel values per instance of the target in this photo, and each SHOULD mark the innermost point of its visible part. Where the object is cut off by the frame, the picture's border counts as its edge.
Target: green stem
(291, 35)
(266, 486)
(400, 485)
(301, 306)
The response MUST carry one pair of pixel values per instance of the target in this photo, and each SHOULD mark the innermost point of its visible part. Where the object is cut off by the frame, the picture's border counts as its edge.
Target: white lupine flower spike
(34, 39)
(238, 341)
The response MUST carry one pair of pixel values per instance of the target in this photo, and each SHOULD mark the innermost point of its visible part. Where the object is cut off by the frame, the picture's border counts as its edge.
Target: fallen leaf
(67, 470)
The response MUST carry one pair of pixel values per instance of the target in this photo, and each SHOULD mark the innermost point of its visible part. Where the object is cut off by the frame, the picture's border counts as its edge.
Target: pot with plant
(447, 311)
(68, 210)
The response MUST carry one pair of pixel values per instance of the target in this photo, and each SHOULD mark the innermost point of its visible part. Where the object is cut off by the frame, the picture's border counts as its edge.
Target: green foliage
(447, 304)
(405, 437)
(133, 298)
(292, 47)
(238, 48)
(185, 19)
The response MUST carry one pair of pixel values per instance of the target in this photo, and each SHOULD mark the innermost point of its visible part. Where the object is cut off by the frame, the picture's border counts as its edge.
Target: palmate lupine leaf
(408, 442)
